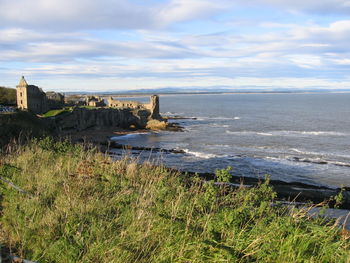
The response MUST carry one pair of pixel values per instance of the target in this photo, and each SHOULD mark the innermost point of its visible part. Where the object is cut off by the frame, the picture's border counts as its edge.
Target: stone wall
(94, 101)
(152, 106)
(55, 100)
(124, 104)
(31, 98)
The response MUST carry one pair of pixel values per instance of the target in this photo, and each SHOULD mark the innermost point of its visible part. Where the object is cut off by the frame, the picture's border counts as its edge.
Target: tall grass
(80, 206)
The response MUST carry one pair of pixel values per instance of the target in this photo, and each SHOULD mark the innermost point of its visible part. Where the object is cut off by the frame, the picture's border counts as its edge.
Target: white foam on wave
(331, 133)
(304, 151)
(331, 155)
(220, 125)
(340, 163)
(308, 133)
(264, 134)
(288, 133)
(170, 113)
(128, 136)
(200, 154)
(219, 118)
(238, 132)
(316, 159)
(225, 118)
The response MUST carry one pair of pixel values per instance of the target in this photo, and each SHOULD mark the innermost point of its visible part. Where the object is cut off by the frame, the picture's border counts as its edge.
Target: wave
(264, 134)
(327, 133)
(278, 159)
(306, 152)
(219, 118)
(127, 136)
(218, 145)
(318, 158)
(334, 155)
(170, 113)
(288, 133)
(319, 161)
(219, 125)
(200, 154)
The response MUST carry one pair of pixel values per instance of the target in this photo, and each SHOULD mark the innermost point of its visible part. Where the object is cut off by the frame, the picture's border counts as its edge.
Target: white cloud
(305, 61)
(61, 39)
(182, 10)
(102, 14)
(78, 14)
(309, 6)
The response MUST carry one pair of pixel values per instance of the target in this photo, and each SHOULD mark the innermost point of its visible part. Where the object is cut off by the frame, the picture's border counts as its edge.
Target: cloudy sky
(105, 45)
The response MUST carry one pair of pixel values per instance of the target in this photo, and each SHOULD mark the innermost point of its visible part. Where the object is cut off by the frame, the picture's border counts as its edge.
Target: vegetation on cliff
(21, 126)
(7, 96)
(81, 206)
(54, 113)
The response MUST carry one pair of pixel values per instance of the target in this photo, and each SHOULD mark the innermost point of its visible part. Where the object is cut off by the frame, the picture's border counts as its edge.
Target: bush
(81, 206)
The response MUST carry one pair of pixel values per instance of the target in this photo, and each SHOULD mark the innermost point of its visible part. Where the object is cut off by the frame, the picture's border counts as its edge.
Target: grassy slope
(83, 207)
(53, 113)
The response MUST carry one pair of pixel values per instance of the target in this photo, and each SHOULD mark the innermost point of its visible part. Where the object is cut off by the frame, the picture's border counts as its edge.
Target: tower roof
(22, 82)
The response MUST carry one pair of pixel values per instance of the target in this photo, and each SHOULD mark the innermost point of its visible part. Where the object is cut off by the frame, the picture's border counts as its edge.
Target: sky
(111, 45)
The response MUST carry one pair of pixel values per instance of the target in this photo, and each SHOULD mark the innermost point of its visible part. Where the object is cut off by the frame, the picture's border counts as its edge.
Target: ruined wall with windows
(94, 101)
(152, 106)
(34, 99)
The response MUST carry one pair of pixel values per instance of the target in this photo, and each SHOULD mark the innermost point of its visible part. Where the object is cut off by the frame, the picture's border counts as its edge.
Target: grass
(81, 206)
(53, 113)
(90, 107)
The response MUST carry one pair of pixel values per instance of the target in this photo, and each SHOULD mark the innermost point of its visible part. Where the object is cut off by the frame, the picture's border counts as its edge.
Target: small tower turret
(22, 94)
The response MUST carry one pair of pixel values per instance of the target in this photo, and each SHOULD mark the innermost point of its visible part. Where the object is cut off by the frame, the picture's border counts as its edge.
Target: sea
(290, 137)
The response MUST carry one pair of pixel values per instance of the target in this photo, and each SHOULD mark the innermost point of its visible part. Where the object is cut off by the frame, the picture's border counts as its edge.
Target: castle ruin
(34, 99)
(94, 101)
(152, 106)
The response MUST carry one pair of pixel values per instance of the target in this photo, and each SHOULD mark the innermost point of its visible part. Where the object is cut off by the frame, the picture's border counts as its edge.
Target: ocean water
(292, 137)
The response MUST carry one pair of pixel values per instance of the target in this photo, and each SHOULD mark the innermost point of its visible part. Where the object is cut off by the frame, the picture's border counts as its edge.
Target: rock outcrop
(156, 125)
(81, 119)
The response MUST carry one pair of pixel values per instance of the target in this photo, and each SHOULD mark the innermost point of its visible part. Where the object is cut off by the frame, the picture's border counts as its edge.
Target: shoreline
(100, 136)
(290, 191)
(296, 191)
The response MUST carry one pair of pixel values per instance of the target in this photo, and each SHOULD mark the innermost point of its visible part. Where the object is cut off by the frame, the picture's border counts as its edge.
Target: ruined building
(34, 99)
(94, 101)
(55, 100)
(152, 106)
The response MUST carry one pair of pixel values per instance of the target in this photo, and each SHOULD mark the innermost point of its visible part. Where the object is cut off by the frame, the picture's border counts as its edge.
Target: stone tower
(31, 98)
(22, 102)
(154, 107)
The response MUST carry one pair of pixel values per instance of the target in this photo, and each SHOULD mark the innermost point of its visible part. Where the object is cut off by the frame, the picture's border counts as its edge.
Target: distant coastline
(174, 93)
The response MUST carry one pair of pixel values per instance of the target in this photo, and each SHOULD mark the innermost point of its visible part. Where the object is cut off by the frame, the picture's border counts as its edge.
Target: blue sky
(107, 45)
